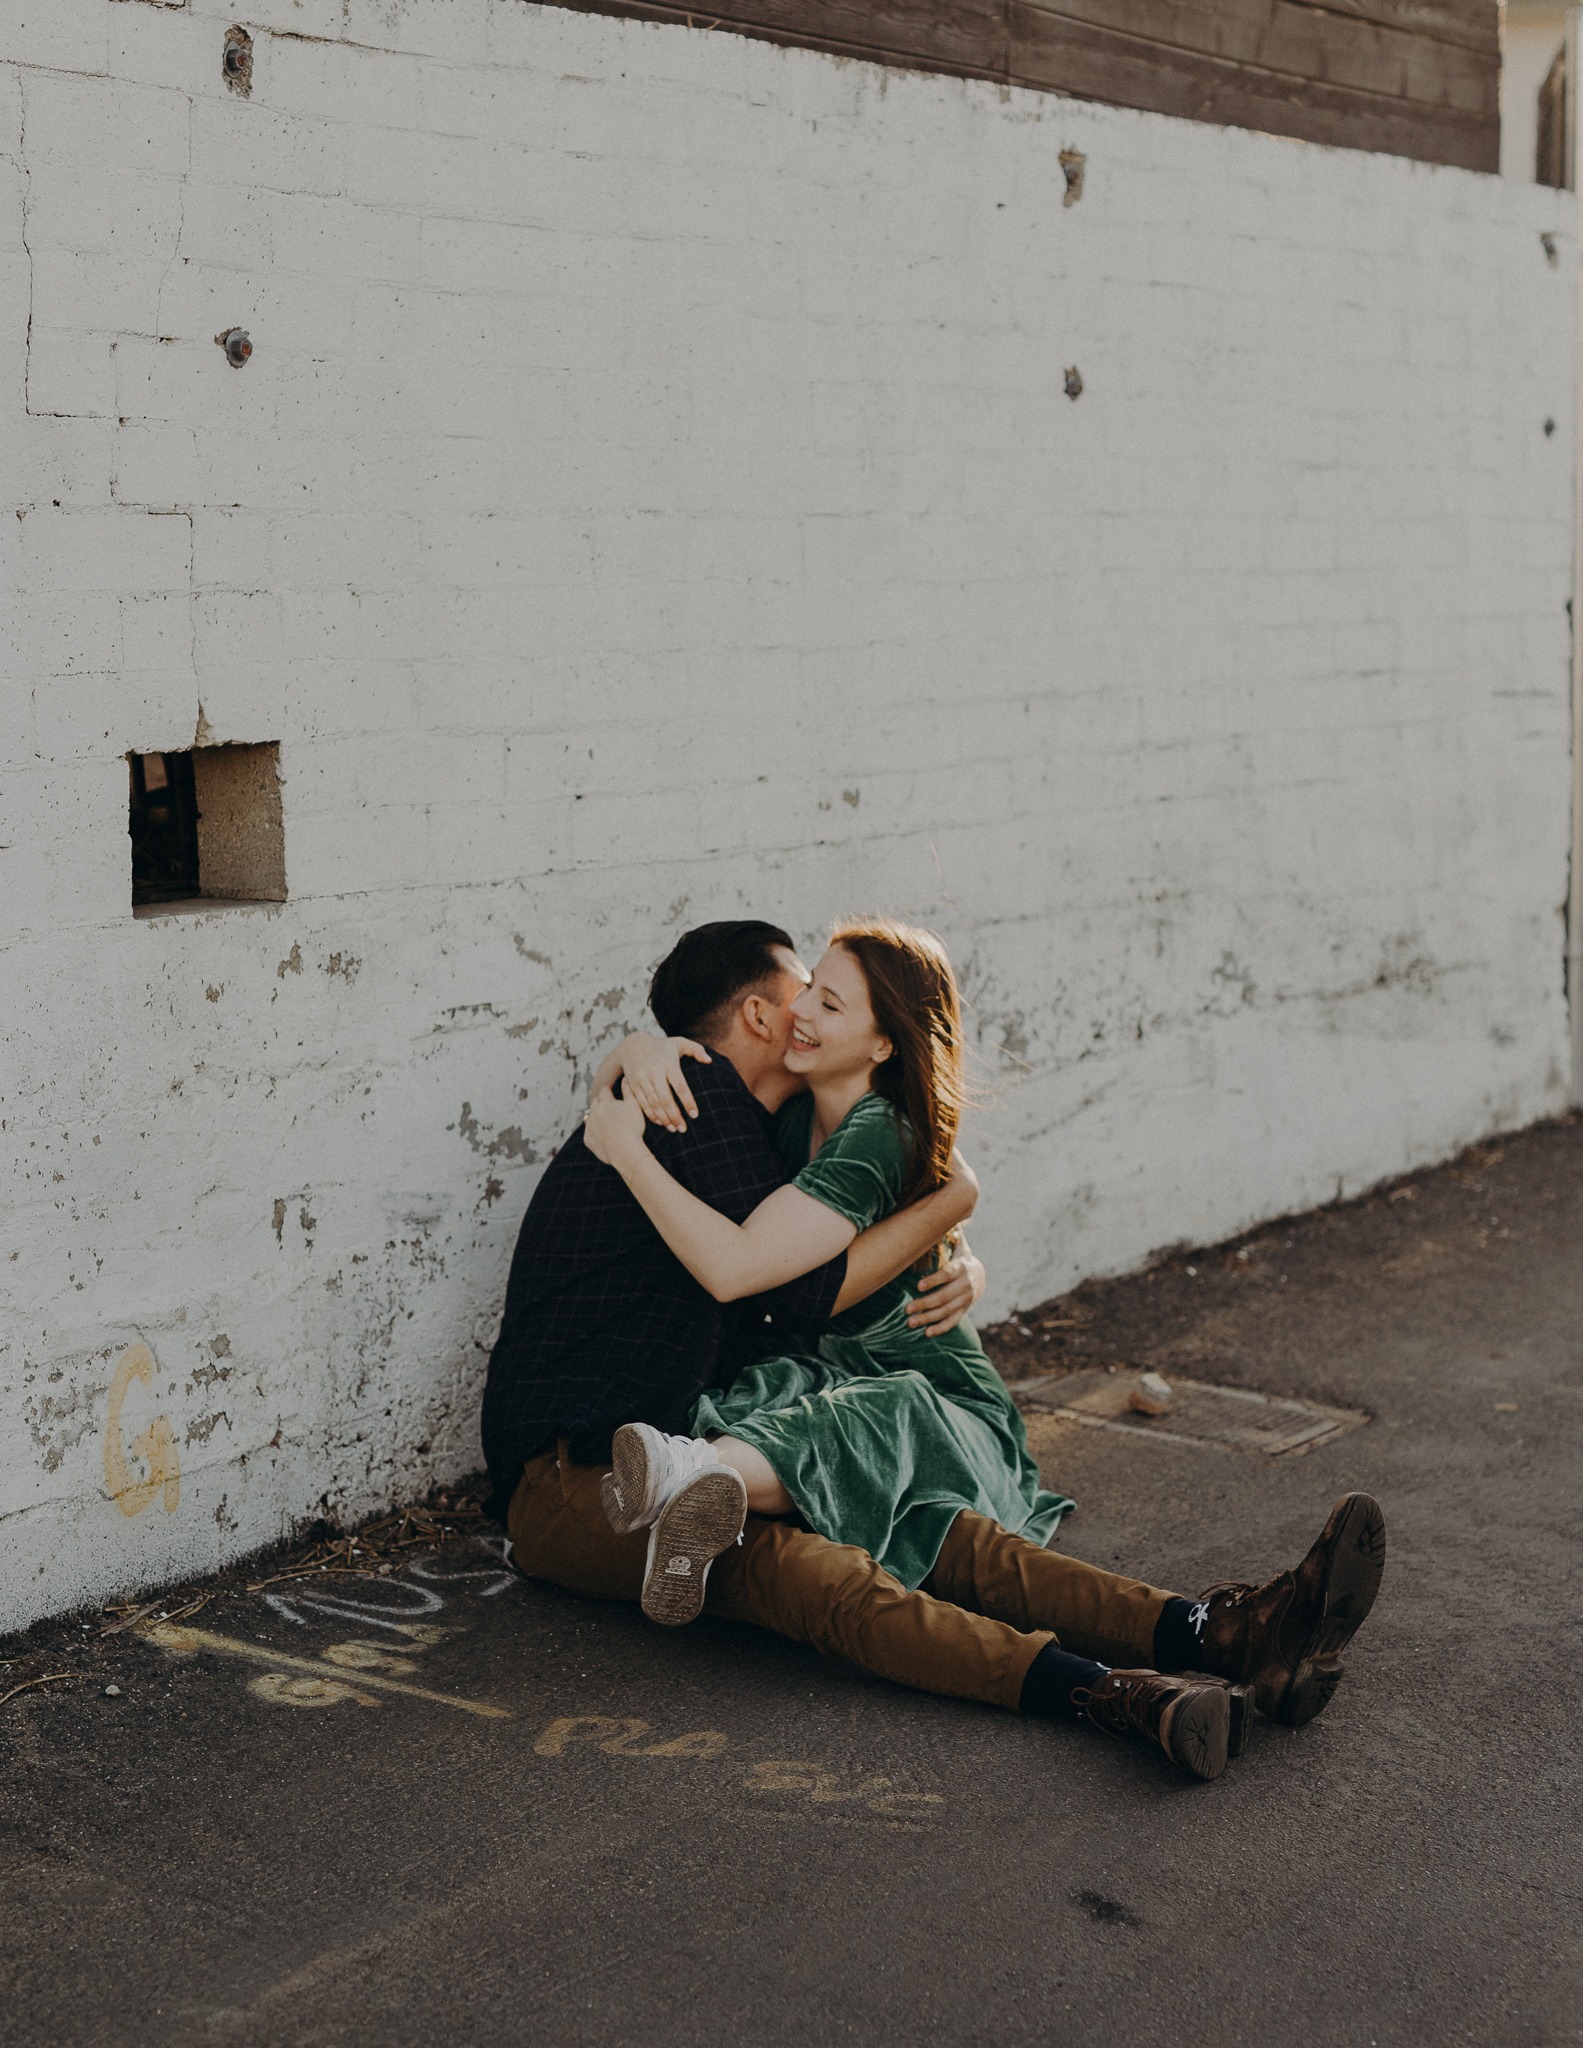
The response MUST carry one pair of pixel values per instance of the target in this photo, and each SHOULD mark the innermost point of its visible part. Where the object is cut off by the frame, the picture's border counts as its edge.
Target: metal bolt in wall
(236, 61)
(237, 346)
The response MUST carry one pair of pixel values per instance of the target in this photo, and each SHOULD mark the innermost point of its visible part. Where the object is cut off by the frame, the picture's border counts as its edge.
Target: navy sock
(1179, 1636)
(1052, 1678)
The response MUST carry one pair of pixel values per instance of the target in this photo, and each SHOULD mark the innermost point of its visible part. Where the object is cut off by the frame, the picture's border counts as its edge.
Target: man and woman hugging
(735, 1376)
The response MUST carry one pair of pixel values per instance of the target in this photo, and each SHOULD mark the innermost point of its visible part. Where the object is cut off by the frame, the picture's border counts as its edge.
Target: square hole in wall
(205, 826)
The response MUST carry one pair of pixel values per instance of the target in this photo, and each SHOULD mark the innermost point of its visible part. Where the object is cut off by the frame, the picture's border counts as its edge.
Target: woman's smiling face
(833, 1032)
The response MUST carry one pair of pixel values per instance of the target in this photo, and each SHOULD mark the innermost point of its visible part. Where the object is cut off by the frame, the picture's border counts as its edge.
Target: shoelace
(1133, 1702)
(1235, 1591)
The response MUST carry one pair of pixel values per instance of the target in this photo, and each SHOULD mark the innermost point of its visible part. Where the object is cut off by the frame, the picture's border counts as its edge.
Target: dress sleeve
(861, 1168)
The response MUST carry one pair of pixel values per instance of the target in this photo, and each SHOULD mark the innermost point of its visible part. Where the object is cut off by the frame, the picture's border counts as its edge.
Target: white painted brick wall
(653, 497)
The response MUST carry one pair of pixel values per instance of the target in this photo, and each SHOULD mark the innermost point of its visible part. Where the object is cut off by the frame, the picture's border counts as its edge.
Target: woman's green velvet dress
(885, 1435)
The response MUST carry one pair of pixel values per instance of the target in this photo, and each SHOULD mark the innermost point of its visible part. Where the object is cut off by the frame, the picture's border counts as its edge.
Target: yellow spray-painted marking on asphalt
(702, 1742)
(282, 1691)
(824, 1786)
(171, 1637)
(368, 1657)
(619, 1736)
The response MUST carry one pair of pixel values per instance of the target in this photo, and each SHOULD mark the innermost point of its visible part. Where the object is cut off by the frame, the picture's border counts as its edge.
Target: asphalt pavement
(443, 1805)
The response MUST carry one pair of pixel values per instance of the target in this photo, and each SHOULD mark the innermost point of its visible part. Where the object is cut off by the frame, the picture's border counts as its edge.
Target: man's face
(777, 1008)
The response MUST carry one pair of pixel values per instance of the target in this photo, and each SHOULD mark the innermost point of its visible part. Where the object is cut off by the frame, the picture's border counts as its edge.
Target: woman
(905, 1445)
(886, 1435)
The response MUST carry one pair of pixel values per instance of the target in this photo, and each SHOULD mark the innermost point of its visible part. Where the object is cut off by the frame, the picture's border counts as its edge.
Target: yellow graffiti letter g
(156, 1446)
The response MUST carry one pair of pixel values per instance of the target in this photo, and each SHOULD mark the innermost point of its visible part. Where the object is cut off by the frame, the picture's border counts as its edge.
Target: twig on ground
(192, 1606)
(27, 1684)
(374, 1551)
(128, 1617)
(314, 1571)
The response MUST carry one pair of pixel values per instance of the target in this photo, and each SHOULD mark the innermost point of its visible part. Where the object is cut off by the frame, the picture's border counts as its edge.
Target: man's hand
(899, 1242)
(946, 1296)
(613, 1129)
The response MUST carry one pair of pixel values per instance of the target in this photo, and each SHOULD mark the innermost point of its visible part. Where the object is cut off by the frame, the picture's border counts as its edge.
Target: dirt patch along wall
(654, 494)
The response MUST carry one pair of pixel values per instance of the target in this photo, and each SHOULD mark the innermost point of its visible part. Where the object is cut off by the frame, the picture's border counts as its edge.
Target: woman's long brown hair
(913, 993)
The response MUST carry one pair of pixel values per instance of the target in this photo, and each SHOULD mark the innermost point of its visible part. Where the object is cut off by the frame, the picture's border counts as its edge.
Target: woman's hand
(613, 1129)
(946, 1296)
(652, 1068)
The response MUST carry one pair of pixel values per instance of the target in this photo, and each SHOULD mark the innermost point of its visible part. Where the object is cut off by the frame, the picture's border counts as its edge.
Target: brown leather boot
(1285, 1638)
(1189, 1717)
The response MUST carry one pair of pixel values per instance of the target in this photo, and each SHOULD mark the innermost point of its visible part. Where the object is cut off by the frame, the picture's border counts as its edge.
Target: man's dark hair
(709, 971)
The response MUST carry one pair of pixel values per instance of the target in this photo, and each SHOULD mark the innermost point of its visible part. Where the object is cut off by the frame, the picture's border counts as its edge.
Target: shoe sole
(625, 1491)
(1241, 1700)
(696, 1524)
(1352, 1582)
(1198, 1736)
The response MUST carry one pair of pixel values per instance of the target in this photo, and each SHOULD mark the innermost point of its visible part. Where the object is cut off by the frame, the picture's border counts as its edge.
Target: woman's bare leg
(766, 1495)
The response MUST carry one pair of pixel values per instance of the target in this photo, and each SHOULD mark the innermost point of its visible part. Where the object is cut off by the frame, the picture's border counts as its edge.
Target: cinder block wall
(653, 496)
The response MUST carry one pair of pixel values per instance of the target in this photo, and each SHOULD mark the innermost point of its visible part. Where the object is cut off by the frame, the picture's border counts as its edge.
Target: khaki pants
(984, 1613)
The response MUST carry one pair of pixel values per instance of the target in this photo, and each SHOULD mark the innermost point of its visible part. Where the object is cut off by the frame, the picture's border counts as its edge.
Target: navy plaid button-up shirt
(603, 1323)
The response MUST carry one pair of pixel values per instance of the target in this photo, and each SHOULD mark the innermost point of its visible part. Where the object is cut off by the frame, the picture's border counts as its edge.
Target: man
(603, 1326)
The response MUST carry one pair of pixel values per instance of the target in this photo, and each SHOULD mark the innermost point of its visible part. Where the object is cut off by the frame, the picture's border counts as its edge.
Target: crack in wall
(181, 231)
(26, 171)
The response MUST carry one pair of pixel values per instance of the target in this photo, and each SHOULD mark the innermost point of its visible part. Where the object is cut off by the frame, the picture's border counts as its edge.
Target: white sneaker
(649, 1468)
(703, 1517)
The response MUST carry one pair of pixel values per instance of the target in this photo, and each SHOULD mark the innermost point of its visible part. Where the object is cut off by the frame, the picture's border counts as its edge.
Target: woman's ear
(882, 1052)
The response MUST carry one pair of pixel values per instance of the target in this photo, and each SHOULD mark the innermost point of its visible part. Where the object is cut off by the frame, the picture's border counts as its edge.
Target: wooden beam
(1053, 52)
(1050, 50)
(969, 33)
(1304, 42)
(1415, 78)
(968, 42)
(1474, 24)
